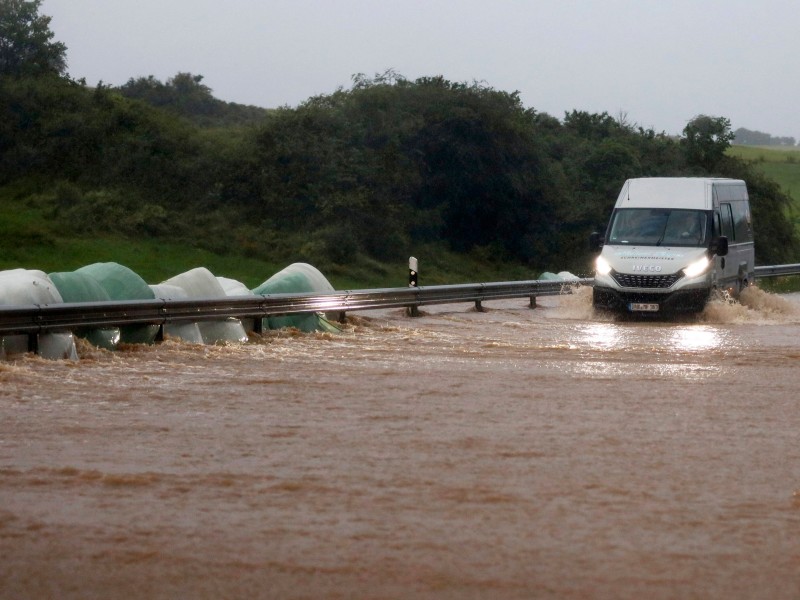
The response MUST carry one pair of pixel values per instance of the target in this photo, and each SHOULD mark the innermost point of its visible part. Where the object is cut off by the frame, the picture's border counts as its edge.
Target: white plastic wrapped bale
(233, 287)
(22, 287)
(188, 332)
(237, 288)
(201, 283)
(560, 276)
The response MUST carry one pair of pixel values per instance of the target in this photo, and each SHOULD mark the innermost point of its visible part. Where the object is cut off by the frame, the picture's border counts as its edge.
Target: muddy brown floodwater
(512, 453)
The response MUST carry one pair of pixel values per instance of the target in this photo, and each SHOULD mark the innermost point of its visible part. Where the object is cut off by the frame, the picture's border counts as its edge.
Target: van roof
(671, 192)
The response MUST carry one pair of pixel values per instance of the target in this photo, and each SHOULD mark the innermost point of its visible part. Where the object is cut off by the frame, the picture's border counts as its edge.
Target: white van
(670, 242)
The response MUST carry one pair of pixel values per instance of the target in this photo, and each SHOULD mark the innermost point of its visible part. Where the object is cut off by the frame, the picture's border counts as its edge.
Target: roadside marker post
(413, 281)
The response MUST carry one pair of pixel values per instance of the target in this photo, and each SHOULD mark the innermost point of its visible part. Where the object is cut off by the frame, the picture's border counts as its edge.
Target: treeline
(747, 137)
(185, 95)
(371, 171)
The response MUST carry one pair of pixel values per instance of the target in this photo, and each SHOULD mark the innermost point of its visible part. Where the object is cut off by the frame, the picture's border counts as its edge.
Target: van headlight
(698, 267)
(601, 266)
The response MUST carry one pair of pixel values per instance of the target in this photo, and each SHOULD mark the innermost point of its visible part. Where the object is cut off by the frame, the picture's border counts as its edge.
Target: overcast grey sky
(660, 62)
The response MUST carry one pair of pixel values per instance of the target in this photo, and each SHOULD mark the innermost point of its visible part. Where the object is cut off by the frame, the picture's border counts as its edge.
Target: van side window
(726, 216)
(717, 231)
(741, 222)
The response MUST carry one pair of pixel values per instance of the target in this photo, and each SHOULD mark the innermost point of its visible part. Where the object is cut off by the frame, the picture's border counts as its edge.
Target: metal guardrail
(42, 318)
(777, 270)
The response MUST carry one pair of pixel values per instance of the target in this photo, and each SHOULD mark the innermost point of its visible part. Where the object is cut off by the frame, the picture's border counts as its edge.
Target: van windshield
(658, 227)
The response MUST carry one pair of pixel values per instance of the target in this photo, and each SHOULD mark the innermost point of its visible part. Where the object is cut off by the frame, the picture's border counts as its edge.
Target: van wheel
(742, 285)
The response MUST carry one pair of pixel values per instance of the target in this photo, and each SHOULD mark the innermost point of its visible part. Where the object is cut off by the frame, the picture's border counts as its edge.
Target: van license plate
(642, 307)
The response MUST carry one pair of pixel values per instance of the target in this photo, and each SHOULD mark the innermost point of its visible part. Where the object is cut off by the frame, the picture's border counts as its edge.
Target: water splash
(578, 306)
(762, 301)
(754, 305)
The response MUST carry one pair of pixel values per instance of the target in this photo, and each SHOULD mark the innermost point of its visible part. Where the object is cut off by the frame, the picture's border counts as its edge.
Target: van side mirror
(719, 246)
(596, 241)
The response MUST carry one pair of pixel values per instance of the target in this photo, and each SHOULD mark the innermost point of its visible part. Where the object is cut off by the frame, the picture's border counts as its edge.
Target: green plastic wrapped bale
(297, 278)
(121, 283)
(80, 287)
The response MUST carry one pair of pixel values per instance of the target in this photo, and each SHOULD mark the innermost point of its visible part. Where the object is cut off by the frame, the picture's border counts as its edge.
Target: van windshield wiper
(661, 237)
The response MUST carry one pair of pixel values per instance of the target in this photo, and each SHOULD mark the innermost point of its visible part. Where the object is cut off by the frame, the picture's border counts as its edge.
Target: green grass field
(31, 238)
(780, 164)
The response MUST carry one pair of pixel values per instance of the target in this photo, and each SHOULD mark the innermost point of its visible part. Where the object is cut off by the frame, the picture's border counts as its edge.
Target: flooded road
(512, 453)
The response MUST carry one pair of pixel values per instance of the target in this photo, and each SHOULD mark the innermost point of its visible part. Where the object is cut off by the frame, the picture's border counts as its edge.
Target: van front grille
(646, 281)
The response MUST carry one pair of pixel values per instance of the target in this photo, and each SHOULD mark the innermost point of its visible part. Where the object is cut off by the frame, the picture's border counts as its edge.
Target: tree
(186, 95)
(706, 139)
(26, 46)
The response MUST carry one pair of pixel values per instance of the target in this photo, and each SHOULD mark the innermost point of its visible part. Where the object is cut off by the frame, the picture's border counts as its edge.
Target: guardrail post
(533, 302)
(33, 343)
(258, 325)
(161, 326)
(478, 306)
